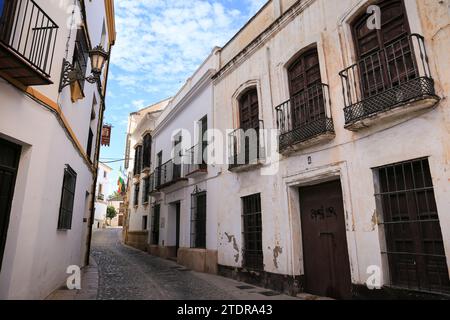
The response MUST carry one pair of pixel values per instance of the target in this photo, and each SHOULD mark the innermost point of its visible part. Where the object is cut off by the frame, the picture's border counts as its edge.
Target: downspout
(97, 159)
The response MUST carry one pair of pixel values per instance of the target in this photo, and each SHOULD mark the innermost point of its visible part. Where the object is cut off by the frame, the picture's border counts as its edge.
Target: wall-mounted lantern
(70, 73)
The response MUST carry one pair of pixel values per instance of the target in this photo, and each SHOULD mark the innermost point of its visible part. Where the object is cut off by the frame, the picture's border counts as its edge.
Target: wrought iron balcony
(27, 42)
(303, 120)
(395, 76)
(195, 163)
(169, 173)
(246, 148)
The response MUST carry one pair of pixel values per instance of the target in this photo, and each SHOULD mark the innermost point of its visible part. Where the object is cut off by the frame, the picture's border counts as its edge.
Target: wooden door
(9, 161)
(385, 56)
(307, 103)
(249, 119)
(325, 252)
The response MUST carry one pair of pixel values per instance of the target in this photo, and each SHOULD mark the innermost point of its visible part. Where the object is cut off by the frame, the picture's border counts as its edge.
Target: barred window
(155, 224)
(67, 199)
(81, 54)
(198, 220)
(146, 193)
(414, 245)
(252, 232)
(136, 194)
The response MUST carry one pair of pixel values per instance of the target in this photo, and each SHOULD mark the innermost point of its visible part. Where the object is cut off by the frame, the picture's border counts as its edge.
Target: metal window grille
(67, 199)
(156, 224)
(414, 245)
(252, 232)
(198, 219)
(81, 54)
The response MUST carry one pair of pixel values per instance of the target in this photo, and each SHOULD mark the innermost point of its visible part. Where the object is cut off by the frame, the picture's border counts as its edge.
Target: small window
(253, 253)
(144, 222)
(81, 54)
(147, 151)
(203, 142)
(198, 220)
(105, 174)
(156, 224)
(136, 194)
(89, 144)
(67, 199)
(146, 192)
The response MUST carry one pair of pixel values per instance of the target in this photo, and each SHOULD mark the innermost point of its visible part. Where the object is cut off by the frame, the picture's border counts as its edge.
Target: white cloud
(160, 43)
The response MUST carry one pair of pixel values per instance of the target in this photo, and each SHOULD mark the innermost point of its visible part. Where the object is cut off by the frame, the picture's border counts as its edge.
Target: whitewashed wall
(37, 254)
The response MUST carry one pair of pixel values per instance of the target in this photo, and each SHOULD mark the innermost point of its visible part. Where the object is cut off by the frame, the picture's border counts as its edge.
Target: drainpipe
(96, 159)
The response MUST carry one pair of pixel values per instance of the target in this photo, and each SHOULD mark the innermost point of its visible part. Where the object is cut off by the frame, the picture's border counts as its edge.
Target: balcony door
(307, 101)
(248, 120)
(385, 56)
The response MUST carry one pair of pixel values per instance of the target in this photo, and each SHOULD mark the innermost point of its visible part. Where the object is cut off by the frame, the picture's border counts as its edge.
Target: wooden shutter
(307, 101)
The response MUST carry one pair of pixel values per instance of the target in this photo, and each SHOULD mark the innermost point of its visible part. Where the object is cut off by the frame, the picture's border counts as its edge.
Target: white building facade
(360, 191)
(183, 222)
(102, 193)
(139, 142)
(49, 140)
(341, 183)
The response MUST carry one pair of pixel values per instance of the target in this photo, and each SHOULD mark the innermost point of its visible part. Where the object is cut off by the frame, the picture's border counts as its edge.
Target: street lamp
(70, 73)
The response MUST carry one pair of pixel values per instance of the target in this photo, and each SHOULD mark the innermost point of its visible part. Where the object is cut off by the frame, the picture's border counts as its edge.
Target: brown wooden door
(249, 110)
(325, 252)
(249, 119)
(9, 161)
(385, 56)
(305, 90)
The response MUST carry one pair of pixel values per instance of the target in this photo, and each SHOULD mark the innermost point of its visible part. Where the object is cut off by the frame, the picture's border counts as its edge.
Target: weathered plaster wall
(349, 157)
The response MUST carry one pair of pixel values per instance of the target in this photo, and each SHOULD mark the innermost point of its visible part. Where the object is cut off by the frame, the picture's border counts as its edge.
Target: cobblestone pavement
(129, 274)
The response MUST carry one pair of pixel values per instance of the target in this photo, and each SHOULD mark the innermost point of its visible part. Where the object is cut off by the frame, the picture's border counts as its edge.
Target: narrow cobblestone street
(129, 274)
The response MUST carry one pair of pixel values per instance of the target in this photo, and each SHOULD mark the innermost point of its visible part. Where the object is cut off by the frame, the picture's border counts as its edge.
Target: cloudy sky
(159, 44)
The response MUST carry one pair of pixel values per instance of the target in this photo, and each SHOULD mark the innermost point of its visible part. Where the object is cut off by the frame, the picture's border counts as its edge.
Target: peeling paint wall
(350, 156)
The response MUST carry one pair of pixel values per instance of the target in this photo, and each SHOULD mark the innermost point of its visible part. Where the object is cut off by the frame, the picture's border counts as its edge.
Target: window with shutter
(307, 98)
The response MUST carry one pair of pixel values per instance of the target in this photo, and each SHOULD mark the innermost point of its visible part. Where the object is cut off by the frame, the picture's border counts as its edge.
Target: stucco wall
(36, 254)
(349, 157)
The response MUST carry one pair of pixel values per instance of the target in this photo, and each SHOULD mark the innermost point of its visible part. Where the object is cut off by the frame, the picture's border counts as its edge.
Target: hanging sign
(106, 135)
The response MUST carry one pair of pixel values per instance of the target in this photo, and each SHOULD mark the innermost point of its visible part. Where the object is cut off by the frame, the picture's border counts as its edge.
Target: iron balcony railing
(304, 116)
(30, 33)
(168, 173)
(385, 79)
(246, 147)
(194, 160)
